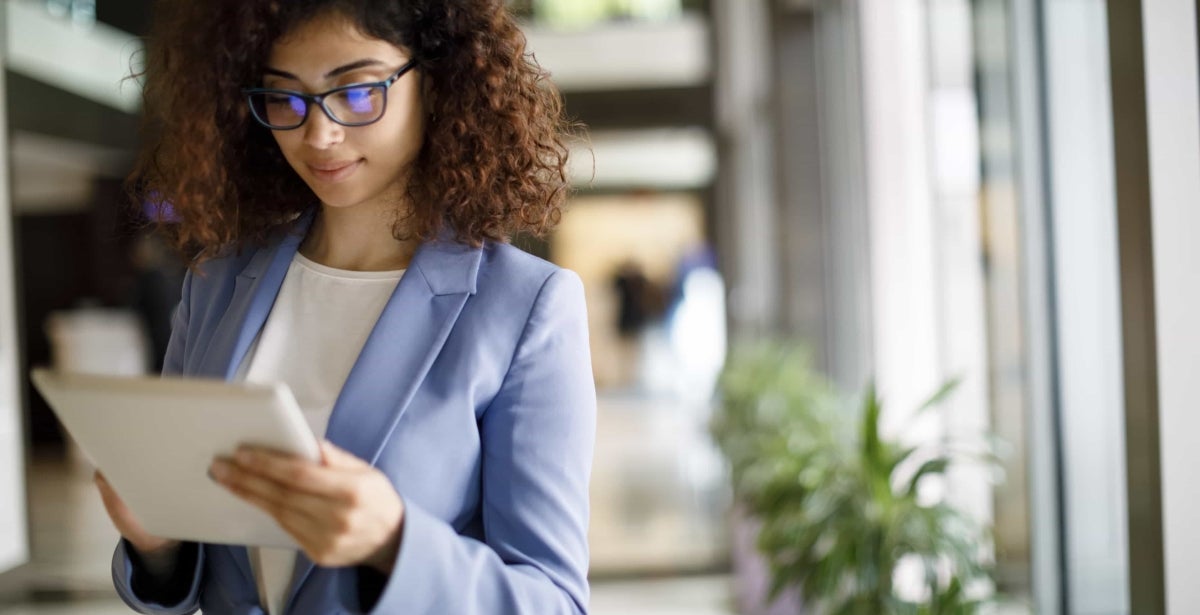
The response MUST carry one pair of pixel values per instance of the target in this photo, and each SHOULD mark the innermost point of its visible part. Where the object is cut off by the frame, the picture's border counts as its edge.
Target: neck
(357, 238)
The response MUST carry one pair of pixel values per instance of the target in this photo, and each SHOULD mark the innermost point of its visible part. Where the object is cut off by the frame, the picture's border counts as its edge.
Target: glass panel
(1084, 238)
(1004, 298)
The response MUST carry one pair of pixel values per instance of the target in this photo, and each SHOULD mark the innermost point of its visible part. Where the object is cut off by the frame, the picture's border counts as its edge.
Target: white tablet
(155, 438)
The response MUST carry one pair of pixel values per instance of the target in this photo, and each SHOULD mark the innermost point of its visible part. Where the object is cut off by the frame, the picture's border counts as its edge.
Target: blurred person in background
(344, 176)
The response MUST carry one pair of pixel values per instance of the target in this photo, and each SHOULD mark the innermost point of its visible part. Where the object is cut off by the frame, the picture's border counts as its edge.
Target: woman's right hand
(127, 525)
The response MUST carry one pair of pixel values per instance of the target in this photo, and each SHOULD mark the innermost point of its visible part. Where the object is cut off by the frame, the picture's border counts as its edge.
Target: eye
(282, 100)
(360, 100)
(297, 104)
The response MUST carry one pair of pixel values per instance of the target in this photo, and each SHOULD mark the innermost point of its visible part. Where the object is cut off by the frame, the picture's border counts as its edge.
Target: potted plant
(837, 504)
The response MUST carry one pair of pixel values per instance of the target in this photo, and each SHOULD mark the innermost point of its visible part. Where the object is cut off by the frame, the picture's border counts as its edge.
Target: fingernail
(210, 475)
(218, 470)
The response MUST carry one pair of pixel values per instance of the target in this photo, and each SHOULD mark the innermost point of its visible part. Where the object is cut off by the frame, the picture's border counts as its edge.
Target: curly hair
(493, 163)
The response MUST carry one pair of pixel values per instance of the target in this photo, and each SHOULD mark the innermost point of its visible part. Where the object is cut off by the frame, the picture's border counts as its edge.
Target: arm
(163, 587)
(538, 437)
(145, 582)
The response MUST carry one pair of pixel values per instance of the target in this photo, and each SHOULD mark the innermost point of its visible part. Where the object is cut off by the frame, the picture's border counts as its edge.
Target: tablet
(155, 438)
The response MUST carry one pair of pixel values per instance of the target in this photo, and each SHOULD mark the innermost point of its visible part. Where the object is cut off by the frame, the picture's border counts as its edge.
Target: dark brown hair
(494, 160)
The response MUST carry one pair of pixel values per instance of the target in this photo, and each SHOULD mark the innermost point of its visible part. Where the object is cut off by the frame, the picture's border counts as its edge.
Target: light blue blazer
(473, 394)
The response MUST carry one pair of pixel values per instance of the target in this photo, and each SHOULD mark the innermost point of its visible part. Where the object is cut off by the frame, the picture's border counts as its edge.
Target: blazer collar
(444, 266)
(447, 266)
(264, 258)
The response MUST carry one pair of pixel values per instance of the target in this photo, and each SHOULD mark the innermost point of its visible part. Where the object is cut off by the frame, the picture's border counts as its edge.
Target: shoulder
(514, 290)
(221, 270)
(251, 258)
(508, 270)
(227, 264)
(209, 286)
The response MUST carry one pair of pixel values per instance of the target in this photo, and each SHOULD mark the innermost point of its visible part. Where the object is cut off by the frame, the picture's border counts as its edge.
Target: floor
(72, 543)
(690, 596)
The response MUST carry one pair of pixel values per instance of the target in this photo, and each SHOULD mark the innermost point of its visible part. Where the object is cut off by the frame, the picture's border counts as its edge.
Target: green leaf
(940, 396)
(937, 465)
(901, 456)
(819, 478)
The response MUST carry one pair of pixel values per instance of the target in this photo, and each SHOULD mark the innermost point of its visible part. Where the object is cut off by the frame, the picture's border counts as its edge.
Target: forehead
(328, 41)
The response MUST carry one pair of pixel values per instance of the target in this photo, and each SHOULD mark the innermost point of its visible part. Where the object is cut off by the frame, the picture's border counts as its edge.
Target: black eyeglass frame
(319, 99)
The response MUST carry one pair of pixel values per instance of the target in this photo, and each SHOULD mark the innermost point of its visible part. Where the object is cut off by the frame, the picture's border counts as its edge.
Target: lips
(333, 171)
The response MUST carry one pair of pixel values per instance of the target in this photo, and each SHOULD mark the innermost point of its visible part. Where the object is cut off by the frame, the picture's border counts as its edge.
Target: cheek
(404, 124)
(394, 145)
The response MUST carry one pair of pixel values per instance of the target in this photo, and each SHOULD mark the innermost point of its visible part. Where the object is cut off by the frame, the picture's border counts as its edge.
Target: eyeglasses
(356, 104)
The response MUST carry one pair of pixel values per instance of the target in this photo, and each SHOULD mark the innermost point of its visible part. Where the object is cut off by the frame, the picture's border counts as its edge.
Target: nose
(320, 132)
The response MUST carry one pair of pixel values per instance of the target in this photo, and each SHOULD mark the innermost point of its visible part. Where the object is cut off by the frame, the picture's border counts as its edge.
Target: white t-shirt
(314, 334)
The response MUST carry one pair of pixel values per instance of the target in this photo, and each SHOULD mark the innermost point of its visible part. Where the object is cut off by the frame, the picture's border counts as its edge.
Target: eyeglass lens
(350, 106)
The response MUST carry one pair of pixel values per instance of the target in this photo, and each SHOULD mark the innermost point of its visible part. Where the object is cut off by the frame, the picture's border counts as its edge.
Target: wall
(14, 547)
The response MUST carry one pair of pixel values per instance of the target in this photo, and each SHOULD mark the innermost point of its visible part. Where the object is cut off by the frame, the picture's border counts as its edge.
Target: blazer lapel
(398, 354)
(254, 293)
(401, 348)
(255, 289)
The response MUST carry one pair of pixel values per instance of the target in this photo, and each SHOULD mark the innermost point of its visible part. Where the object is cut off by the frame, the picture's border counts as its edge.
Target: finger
(296, 473)
(120, 515)
(106, 496)
(312, 535)
(302, 527)
(277, 496)
(102, 484)
(334, 456)
(109, 496)
(107, 492)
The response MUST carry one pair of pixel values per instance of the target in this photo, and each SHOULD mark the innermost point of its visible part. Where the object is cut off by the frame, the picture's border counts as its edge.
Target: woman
(346, 174)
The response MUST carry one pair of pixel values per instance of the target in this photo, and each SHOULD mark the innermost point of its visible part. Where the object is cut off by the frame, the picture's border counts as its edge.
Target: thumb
(336, 457)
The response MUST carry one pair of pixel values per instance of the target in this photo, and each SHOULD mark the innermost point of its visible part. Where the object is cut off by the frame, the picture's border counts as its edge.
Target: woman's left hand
(342, 512)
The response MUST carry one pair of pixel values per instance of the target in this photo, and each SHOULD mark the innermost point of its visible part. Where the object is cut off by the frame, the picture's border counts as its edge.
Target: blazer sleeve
(538, 436)
(133, 582)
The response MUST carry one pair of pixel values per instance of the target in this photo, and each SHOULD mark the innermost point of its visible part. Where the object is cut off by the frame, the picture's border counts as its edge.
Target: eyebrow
(341, 70)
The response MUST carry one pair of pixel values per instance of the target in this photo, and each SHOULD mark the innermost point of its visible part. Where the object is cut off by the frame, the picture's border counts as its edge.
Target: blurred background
(810, 197)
